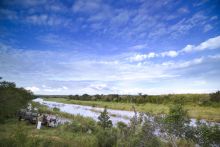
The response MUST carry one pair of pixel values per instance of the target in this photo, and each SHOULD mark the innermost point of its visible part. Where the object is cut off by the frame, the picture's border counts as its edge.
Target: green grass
(24, 134)
(195, 111)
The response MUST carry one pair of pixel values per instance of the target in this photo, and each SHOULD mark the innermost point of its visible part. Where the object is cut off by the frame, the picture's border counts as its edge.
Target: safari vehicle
(28, 115)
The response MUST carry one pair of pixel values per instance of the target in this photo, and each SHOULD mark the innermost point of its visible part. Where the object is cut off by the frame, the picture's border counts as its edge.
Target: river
(94, 112)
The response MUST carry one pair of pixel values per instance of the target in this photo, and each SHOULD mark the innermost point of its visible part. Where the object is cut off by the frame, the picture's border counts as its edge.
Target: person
(40, 119)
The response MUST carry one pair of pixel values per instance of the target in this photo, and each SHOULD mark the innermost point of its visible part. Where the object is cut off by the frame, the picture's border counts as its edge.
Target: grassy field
(195, 111)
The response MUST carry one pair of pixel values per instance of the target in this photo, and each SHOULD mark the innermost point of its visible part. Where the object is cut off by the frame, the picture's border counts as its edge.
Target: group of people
(46, 120)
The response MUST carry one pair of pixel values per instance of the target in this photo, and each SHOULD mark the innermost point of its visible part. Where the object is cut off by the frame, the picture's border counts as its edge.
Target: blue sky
(102, 47)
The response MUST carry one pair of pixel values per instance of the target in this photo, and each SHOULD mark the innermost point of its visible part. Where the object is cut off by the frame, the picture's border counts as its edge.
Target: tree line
(201, 99)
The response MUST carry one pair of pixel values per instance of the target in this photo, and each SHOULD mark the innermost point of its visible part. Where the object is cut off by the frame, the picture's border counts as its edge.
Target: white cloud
(188, 48)
(65, 88)
(151, 55)
(54, 89)
(212, 43)
(87, 69)
(170, 53)
(33, 89)
(184, 64)
(141, 57)
(138, 57)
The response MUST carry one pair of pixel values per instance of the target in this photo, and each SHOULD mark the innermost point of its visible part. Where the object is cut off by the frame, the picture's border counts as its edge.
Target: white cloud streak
(210, 44)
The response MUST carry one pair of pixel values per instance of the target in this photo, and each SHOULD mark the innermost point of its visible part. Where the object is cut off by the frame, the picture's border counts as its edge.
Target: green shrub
(106, 138)
(104, 119)
(215, 97)
(55, 109)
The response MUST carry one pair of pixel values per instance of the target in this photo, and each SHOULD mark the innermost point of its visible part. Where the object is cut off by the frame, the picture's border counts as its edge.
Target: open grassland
(195, 111)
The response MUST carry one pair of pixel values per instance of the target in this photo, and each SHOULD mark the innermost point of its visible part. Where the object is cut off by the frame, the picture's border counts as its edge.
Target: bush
(215, 97)
(106, 138)
(80, 124)
(104, 119)
(207, 135)
(55, 109)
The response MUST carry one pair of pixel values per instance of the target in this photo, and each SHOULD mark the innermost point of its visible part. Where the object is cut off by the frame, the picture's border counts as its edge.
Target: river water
(94, 112)
(88, 111)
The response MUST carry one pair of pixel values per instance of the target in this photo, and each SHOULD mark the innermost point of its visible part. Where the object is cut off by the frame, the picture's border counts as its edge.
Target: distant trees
(85, 97)
(11, 99)
(215, 97)
(200, 99)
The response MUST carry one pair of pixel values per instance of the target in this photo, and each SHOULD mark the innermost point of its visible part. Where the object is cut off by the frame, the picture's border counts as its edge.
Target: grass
(195, 111)
(24, 134)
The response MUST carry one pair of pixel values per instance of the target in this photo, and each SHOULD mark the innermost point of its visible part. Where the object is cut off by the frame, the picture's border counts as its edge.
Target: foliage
(106, 138)
(12, 99)
(83, 126)
(104, 120)
(206, 134)
(176, 121)
(215, 97)
(138, 134)
(201, 99)
(175, 124)
(56, 109)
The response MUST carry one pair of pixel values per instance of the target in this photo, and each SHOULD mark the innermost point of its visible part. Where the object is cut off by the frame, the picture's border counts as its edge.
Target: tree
(176, 123)
(147, 138)
(85, 97)
(12, 99)
(104, 119)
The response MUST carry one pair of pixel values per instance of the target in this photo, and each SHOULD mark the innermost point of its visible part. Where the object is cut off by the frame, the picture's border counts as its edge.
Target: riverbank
(195, 111)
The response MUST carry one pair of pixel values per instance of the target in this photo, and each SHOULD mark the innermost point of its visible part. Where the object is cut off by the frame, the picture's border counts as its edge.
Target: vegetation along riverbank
(199, 106)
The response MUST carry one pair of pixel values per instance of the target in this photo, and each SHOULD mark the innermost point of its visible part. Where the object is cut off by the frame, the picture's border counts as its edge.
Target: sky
(107, 46)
